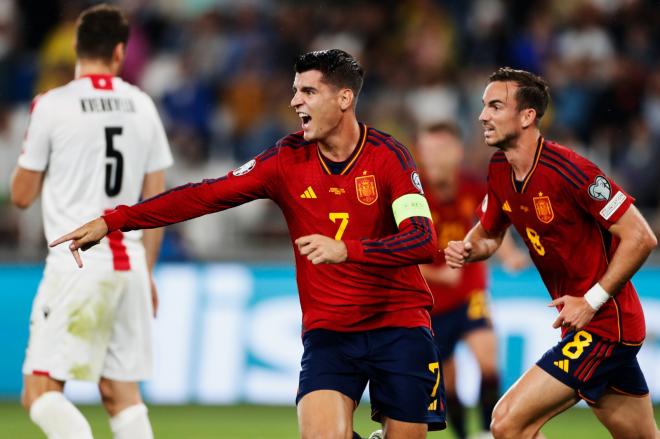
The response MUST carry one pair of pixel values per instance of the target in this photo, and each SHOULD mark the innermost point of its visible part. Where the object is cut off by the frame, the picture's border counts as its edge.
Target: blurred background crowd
(221, 71)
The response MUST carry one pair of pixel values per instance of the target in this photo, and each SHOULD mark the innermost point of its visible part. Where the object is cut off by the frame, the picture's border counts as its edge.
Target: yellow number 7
(343, 216)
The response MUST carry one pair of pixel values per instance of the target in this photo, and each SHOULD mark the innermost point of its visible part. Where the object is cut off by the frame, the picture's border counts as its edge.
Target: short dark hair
(443, 127)
(533, 91)
(338, 67)
(100, 29)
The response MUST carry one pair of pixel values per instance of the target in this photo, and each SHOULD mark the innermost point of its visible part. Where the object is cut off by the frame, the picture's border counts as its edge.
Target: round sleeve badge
(600, 189)
(417, 182)
(244, 169)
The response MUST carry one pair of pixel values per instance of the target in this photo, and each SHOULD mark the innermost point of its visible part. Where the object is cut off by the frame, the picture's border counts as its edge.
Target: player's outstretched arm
(477, 245)
(84, 237)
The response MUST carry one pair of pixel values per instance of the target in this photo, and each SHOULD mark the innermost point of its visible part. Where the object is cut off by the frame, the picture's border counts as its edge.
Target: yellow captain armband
(409, 205)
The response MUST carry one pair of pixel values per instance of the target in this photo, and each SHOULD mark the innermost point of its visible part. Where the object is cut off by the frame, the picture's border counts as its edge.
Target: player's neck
(521, 154)
(86, 67)
(341, 143)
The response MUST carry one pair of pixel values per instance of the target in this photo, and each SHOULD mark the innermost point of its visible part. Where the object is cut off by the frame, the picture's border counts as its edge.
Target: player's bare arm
(321, 249)
(443, 275)
(637, 242)
(154, 184)
(25, 186)
(84, 237)
(477, 245)
(512, 258)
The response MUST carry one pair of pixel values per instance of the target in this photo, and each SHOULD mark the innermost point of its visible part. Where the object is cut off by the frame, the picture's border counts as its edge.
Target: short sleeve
(490, 213)
(37, 143)
(402, 175)
(160, 156)
(600, 196)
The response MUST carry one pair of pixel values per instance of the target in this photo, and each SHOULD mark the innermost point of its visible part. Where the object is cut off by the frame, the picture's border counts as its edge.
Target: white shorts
(89, 324)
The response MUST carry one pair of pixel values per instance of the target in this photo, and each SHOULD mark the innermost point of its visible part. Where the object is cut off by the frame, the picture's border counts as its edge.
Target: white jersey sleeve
(160, 156)
(36, 145)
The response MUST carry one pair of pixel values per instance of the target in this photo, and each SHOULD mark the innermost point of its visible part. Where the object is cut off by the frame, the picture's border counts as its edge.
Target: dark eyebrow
(305, 89)
(493, 102)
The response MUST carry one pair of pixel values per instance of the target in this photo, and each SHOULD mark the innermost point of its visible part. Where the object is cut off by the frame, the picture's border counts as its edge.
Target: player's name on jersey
(102, 105)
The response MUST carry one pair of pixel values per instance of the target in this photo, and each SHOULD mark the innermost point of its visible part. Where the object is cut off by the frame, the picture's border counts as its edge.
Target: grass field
(260, 422)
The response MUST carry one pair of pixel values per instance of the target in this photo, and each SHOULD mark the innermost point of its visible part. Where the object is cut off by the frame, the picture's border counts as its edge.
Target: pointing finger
(65, 238)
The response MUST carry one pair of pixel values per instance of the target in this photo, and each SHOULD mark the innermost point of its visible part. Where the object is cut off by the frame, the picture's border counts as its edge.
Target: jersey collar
(101, 81)
(537, 156)
(350, 161)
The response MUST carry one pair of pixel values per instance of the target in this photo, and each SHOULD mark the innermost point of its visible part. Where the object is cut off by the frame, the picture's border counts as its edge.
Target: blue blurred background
(220, 72)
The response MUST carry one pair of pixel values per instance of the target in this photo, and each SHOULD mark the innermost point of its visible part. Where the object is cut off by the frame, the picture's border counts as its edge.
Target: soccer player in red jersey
(460, 310)
(587, 239)
(357, 216)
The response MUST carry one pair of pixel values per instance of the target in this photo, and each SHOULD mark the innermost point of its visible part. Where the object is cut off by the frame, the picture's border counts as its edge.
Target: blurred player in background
(460, 310)
(587, 239)
(91, 144)
(358, 219)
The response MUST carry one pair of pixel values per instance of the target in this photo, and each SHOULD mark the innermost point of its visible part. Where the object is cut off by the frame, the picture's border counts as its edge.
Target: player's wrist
(596, 296)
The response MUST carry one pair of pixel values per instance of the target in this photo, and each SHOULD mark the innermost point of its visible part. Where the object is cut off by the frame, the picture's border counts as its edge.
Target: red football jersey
(380, 284)
(453, 220)
(563, 210)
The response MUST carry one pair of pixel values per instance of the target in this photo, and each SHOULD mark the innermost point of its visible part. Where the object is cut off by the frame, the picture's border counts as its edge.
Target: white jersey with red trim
(95, 138)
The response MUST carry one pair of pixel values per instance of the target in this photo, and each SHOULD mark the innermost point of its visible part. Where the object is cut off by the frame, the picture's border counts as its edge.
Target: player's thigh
(483, 344)
(325, 414)
(393, 429)
(36, 385)
(626, 416)
(533, 400)
(449, 374)
(331, 382)
(405, 377)
(118, 395)
(129, 353)
(71, 324)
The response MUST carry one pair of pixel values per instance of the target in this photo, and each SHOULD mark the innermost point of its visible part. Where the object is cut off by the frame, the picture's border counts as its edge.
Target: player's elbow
(20, 200)
(644, 239)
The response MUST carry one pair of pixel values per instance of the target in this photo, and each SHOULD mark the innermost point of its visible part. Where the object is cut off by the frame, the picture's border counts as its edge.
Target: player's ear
(527, 117)
(346, 98)
(119, 52)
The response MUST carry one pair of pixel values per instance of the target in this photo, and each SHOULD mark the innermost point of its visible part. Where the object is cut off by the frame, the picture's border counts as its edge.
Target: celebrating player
(587, 239)
(357, 216)
(460, 310)
(91, 144)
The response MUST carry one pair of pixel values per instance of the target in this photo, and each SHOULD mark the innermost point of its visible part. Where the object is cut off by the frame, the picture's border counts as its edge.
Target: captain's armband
(409, 205)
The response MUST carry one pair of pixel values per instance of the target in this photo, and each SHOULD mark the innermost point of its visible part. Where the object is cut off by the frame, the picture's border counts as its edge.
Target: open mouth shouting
(306, 119)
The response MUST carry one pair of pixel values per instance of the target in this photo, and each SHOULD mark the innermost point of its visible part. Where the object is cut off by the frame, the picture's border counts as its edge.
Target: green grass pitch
(261, 422)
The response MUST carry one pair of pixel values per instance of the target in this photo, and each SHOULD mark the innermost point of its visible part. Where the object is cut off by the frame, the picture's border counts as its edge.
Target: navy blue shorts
(591, 365)
(451, 326)
(401, 366)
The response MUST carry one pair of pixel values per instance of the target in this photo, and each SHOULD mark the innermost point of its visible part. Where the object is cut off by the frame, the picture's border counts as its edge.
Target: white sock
(58, 418)
(131, 423)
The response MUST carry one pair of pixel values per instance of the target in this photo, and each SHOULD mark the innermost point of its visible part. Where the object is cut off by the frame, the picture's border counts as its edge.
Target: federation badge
(414, 177)
(543, 208)
(244, 169)
(365, 189)
(600, 189)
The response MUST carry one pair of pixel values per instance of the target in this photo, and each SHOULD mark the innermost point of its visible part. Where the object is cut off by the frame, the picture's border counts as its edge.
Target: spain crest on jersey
(543, 208)
(365, 189)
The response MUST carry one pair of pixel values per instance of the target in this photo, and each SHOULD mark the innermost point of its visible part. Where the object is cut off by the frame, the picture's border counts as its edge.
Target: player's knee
(501, 425)
(337, 430)
(29, 395)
